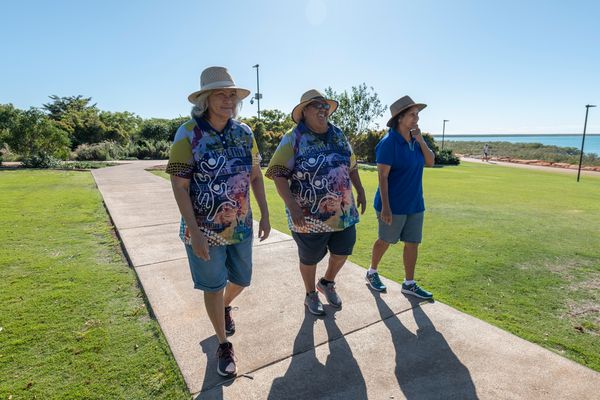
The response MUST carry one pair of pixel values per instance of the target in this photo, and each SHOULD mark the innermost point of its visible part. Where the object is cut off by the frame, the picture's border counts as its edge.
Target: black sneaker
(229, 322)
(226, 360)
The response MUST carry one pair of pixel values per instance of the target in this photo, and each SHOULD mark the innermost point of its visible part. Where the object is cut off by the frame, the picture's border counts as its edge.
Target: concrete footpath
(379, 346)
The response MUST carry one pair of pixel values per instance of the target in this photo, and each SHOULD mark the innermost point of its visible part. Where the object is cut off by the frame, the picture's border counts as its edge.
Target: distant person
(486, 152)
(213, 162)
(314, 169)
(401, 155)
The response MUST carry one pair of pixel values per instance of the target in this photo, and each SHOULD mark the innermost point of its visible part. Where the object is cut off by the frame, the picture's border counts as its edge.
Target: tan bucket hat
(402, 104)
(213, 78)
(312, 94)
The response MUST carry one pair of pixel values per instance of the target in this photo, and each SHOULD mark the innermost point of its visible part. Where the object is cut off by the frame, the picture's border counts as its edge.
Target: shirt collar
(204, 125)
(304, 129)
(398, 136)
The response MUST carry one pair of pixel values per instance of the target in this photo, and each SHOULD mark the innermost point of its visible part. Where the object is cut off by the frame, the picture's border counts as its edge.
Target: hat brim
(297, 111)
(420, 105)
(241, 93)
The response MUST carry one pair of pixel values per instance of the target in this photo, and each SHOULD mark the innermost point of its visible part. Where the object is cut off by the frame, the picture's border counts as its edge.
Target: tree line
(74, 128)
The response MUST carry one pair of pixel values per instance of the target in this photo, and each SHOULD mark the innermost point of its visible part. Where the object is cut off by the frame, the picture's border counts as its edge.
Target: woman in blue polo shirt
(401, 155)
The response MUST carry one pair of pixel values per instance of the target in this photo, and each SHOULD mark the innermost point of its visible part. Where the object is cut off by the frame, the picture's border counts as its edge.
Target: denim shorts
(231, 263)
(404, 227)
(312, 247)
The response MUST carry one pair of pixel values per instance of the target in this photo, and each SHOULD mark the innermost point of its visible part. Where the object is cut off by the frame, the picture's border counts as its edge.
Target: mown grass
(73, 319)
(517, 248)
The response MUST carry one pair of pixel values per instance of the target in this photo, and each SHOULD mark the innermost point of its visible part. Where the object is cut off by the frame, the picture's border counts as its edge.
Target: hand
(200, 246)
(386, 216)
(361, 201)
(416, 133)
(264, 228)
(297, 215)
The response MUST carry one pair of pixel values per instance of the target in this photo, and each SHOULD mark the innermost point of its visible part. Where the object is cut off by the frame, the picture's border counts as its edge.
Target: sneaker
(226, 360)
(417, 291)
(375, 282)
(314, 304)
(330, 294)
(229, 323)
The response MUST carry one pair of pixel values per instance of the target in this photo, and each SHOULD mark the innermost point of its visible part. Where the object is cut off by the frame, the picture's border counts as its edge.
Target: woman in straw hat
(401, 155)
(213, 161)
(314, 169)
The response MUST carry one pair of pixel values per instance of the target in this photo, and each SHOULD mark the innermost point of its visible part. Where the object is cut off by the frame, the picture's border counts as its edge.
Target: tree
(268, 131)
(120, 127)
(357, 110)
(33, 134)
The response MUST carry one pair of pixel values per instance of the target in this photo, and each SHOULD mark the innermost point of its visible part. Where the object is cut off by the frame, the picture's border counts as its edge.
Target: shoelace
(226, 352)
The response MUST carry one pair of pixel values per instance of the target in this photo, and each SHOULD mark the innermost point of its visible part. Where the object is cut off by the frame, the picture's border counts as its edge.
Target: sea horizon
(592, 142)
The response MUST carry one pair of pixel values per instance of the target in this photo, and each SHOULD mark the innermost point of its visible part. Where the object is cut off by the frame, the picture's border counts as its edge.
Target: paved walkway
(380, 346)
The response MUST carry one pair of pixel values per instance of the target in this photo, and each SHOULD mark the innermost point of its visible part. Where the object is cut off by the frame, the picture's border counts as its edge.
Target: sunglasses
(318, 105)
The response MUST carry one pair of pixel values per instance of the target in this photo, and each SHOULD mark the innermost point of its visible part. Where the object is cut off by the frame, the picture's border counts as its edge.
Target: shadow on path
(211, 377)
(426, 367)
(307, 378)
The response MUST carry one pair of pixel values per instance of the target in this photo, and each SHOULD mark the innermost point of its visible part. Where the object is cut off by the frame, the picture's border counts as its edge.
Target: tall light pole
(587, 108)
(257, 95)
(444, 131)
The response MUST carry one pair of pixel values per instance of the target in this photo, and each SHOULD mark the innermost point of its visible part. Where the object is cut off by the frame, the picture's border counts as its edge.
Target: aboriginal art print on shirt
(318, 169)
(219, 165)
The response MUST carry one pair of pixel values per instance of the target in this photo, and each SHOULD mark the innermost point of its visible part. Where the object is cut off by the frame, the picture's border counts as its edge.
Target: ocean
(592, 142)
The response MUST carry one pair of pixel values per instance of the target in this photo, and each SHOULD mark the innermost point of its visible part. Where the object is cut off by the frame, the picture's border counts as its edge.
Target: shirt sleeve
(282, 163)
(353, 162)
(181, 159)
(256, 157)
(384, 152)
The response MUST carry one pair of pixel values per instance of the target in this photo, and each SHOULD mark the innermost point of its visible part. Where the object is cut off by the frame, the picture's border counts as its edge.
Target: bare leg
(411, 251)
(379, 249)
(308, 273)
(231, 292)
(216, 312)
(336, 263)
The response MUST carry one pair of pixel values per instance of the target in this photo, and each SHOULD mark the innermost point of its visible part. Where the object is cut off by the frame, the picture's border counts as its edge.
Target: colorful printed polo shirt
(218, 165)
(318, 168)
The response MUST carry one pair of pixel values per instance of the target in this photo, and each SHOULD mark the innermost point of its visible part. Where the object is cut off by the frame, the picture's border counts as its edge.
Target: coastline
(534, 164)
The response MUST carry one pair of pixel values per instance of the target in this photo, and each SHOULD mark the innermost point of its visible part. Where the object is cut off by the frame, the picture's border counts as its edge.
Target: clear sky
(487, 66)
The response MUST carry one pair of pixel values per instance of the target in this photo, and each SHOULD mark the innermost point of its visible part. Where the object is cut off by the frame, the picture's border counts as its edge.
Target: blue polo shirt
(405, 180)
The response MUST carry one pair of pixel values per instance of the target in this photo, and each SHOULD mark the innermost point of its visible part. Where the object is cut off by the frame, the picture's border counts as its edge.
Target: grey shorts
(312, 247)
(404, 227)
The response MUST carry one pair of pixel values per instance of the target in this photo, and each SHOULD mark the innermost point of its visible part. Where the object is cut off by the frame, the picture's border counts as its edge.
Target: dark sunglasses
(318, 105)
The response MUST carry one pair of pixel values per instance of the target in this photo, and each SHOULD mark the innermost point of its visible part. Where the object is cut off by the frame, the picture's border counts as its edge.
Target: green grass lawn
(73, 322)
(517, 248)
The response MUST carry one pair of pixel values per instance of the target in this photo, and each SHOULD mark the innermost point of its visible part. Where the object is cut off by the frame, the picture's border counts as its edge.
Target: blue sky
(488, 67)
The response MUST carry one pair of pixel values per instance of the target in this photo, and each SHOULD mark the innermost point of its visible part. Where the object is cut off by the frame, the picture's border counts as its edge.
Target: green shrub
(150, 150)
(103, 151)
(40, 160)
(446, 157)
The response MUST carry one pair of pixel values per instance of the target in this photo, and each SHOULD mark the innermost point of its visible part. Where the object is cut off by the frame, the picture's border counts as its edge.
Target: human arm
(361, 200)
(383, 171)
(427, 152)
(258, 189)
(283, 188)
(181, 188)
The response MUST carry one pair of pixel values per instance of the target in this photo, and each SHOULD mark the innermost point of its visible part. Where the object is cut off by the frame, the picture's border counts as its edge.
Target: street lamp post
(444, 131)
(257, 95)
(587, 108)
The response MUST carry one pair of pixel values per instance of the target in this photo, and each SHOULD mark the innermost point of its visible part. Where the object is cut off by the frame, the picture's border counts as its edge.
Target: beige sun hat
(217, 78)
(402, 104)
(312, 94)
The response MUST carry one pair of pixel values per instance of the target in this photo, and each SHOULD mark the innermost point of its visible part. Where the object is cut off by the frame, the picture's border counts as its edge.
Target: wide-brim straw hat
(312, 94)
(213, 78)
(400, 105)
